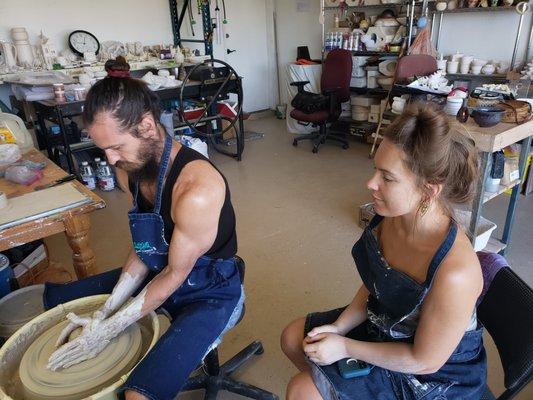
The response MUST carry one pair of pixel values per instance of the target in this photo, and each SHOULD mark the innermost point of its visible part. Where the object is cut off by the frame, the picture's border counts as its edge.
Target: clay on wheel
(80, 380)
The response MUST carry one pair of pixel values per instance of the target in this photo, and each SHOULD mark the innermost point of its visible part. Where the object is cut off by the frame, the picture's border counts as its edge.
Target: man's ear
(147, 128)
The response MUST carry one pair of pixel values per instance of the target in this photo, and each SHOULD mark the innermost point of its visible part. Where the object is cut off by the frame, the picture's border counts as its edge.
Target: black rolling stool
(216, 377)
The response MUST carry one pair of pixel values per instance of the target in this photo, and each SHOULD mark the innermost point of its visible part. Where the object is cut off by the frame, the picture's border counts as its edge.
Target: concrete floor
(297, 221)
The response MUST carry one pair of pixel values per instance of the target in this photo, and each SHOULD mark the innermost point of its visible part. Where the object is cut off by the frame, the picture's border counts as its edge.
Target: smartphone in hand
(352, 368)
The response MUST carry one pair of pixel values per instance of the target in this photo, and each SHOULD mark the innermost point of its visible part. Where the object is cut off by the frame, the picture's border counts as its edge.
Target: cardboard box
(364, 101)
(373, 118)
(32, 265)
(375, 109)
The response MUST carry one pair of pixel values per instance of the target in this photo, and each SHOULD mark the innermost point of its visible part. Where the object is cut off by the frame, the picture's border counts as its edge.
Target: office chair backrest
(337, 73)
(415, 65)
(506, 311)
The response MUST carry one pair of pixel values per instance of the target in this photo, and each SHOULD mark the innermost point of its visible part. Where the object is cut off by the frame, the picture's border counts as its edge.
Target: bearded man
(184, 243)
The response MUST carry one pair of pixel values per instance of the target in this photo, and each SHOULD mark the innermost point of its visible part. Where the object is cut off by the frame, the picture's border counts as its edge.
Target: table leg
(509, 220)
(240, 137)
(77, 233)
(66, 145)
(477, 204)
(44, 134)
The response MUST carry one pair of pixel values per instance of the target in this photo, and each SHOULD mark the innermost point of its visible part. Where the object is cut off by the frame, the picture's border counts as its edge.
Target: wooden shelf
(369, 7)
(379, 6)
(498, 77)
(375, 91)
(496, 137)
(477, 9)
(494, 246)
(375, 53)
(490, 195)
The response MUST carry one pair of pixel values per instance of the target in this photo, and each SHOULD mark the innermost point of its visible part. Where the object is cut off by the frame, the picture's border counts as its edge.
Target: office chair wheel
(295, 143)
(345, 146)
(315, 150)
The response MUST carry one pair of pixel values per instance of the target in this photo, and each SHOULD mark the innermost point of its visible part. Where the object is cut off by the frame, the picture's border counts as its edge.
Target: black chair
(335, 86)
(215, 377)
(506, 311)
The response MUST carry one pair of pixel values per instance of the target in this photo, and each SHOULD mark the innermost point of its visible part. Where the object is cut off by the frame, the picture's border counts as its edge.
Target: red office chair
(335, 86)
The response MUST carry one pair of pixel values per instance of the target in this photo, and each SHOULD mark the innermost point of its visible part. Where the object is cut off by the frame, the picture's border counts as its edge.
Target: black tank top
(225, 245)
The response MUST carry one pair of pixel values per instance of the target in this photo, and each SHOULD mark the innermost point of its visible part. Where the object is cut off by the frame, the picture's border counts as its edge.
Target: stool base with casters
(215, 377)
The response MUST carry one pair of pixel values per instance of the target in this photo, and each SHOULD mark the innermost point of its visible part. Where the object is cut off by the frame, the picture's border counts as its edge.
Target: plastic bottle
(88, 176)
(107, 180)
(96, 167)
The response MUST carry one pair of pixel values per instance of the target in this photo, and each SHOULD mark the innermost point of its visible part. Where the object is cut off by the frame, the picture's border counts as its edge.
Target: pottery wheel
(80, 380)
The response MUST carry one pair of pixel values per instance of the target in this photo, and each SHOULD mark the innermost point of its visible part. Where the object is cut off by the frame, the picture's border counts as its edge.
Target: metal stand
(477, 205)
(177, 22)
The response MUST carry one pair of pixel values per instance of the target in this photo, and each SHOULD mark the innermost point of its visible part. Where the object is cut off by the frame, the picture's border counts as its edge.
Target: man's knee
(302, 387)
(292, 337)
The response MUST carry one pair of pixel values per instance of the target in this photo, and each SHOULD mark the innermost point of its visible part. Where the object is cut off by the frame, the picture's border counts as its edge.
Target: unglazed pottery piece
(81, 380)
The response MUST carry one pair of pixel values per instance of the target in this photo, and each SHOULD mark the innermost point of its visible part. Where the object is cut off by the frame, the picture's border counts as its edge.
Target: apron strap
(441, 254)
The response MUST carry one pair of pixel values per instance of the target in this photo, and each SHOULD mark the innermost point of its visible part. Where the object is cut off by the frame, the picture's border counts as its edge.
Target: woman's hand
(325, 348)
(332, 328)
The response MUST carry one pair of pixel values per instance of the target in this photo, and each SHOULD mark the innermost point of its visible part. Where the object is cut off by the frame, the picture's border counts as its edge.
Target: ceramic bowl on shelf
(502, 68)
(487, 117)
(385, 82)
(488, 69)
(476, 69)
(441, 6)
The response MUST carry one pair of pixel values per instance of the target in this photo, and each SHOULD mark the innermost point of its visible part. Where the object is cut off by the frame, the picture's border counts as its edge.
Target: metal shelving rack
(207, 23)
(410, 8)
(487, 10)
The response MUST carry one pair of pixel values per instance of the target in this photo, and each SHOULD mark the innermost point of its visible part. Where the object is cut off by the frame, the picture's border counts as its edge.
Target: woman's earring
(424, 207)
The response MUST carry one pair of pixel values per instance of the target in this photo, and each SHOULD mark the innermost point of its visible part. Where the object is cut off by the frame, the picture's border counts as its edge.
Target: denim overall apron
(206, 306)
(393, 310)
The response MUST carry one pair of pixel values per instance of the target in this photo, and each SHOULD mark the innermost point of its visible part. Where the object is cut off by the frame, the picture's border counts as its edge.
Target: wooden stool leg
(77, 232)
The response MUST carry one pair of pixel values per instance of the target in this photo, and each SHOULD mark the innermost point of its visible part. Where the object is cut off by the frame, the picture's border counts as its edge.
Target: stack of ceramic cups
(59, 92)
(24, 48)
(464, 66)
(453, 105)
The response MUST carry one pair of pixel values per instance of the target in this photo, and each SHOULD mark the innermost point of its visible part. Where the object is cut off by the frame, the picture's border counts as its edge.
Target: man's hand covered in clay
(96, 335)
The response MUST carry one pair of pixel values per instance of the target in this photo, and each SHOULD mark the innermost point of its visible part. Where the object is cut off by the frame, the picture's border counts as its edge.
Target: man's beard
(147, 167)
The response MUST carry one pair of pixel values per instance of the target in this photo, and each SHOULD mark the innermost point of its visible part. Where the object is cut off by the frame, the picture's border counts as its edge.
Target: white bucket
(12, 351)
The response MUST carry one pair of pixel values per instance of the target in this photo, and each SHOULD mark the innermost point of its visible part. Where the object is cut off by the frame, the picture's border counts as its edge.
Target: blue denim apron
(393, 309)
(206, 306)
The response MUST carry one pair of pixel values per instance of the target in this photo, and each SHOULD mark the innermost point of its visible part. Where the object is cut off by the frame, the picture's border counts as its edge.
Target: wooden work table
(497, 137)
(75, 222)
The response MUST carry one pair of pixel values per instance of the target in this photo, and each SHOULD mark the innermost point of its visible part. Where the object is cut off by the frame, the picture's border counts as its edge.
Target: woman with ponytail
(413, 320)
